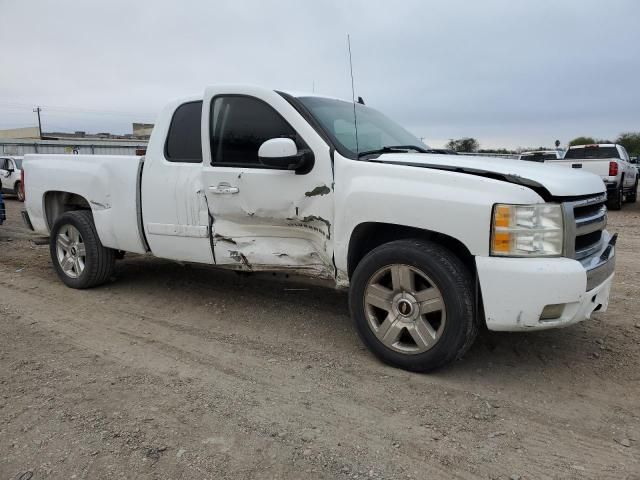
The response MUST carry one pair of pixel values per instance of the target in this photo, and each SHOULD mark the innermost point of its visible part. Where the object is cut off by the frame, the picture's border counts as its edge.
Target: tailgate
(599, 166)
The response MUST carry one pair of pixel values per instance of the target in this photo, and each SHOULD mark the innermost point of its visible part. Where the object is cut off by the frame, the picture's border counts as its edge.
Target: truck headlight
(527, 230)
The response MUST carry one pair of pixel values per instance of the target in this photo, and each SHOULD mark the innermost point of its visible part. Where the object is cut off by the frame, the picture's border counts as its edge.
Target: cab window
(184, 140)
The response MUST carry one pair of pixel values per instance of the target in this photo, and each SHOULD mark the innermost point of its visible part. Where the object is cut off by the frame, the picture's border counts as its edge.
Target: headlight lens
(527, 230)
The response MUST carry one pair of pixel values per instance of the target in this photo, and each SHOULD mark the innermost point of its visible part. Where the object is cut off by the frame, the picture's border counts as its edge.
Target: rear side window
(239, 125)
(592, 152)
(538, 156)
(184, 140)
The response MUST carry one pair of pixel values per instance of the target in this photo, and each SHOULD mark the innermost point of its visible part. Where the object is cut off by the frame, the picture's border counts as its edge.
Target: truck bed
(108, 183)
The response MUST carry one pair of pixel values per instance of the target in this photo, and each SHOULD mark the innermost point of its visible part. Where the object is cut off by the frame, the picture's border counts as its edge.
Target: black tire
(615, 203)
(632, 197)
(18, 191)
(451, 278)
(98, 262)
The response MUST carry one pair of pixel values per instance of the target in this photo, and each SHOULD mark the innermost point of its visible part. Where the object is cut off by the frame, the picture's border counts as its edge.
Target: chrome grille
(585, 220)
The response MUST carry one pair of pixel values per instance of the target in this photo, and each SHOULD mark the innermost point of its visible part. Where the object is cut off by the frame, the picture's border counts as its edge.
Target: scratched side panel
(279, 221)
(107, 182)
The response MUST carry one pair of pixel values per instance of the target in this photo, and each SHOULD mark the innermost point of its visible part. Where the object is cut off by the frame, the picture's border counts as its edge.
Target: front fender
(455, 204)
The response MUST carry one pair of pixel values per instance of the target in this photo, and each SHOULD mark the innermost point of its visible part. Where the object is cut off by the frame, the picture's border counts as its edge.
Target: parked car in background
(10, 176)
(3, 215)
(430, 246)
(541, 155)
(612, 163)
(442, 151)
(634, 162)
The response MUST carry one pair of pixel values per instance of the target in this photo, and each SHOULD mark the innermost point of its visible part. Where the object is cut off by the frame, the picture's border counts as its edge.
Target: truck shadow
(324, 312)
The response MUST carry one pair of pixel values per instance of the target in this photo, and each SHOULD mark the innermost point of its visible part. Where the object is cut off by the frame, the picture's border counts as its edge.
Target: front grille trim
(585, 222)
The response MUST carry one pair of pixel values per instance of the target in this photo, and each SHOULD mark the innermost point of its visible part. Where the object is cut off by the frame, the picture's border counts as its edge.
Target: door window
(239, 125)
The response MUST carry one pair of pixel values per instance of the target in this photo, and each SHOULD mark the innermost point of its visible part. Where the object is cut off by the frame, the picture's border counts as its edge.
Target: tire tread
(99, 269)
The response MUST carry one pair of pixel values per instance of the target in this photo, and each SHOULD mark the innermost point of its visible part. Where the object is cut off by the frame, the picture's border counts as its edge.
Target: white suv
(10, 176)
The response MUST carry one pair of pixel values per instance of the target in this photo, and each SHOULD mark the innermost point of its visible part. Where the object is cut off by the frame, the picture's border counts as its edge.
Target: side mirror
(283, 153)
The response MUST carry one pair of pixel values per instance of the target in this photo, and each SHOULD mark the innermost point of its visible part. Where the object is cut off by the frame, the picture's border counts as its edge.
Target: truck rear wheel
(633, 194)
(79, 258)
(412, 303)
(615, 203)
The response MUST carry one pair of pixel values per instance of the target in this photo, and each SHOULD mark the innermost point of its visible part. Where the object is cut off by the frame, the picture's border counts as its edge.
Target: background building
(26, 132)
(20, 141)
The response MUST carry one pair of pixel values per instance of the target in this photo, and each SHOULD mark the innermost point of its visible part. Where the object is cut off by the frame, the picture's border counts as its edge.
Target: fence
(73, 146)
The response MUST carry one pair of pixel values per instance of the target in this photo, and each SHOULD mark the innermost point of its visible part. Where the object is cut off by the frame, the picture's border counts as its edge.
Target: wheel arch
(369, 235)
(57, 203)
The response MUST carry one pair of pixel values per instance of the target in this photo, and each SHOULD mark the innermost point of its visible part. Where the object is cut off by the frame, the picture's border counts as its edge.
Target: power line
(73, 110)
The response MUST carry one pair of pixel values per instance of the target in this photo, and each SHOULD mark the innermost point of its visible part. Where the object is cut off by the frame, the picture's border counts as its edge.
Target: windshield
(592, 152)
(375, 131)
(18, 162)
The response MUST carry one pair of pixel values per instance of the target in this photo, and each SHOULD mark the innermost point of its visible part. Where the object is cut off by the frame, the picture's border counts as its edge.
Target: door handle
(223, 188)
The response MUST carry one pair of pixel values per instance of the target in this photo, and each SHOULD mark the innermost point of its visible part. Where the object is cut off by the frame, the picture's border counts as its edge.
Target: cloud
(510, 73)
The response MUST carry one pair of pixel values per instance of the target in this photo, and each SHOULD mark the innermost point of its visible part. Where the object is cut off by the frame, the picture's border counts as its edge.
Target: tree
(467, 145)
(582, 141)
(630, 141)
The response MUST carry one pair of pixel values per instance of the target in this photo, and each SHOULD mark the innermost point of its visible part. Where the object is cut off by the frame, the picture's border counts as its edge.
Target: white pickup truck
(541, 155)
(250, 179)
(610, 162)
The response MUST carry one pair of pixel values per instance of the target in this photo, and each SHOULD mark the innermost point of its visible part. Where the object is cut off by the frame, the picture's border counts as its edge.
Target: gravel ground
(180, 371)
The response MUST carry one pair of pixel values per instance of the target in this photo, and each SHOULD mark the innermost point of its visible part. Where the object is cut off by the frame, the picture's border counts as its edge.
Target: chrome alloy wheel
(405, 309)
(70, 251)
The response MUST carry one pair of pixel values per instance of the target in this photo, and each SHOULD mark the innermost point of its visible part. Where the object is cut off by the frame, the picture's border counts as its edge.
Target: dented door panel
(271, 219)
(274, 221)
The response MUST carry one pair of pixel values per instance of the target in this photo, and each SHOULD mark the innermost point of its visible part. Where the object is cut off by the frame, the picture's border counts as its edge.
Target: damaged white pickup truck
(430, 246)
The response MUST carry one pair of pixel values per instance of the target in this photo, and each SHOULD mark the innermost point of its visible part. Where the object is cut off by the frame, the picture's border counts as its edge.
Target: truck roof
(594, 145)
(293, 93)
(537, 151)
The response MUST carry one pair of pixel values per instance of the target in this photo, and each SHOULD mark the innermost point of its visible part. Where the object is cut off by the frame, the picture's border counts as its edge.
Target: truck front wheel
(79, 258)
(412, 303)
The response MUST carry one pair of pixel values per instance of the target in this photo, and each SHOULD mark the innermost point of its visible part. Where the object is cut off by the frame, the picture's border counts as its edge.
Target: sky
(511, 73)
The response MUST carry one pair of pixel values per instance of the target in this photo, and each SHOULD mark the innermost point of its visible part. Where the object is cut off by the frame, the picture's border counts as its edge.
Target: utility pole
(37, 110)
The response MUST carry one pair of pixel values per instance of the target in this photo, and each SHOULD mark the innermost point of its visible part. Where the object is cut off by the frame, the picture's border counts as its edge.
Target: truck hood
(554, 180)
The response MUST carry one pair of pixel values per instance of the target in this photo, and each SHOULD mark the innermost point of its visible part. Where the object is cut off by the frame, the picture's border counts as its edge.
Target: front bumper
(515, 291)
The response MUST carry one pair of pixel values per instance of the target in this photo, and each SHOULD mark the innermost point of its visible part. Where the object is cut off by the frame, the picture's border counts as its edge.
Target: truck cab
(541, 155)
(429, 246)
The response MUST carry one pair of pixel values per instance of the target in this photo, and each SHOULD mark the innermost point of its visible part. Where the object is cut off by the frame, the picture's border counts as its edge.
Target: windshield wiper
(392, 149)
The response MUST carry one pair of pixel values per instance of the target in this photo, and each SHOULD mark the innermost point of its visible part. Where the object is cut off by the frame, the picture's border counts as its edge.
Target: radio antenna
(353, 95)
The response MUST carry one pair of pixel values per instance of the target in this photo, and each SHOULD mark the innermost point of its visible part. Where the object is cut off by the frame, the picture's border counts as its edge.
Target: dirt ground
(182, 372)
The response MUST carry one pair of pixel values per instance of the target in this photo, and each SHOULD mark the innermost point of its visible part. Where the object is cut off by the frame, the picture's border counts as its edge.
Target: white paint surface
(266, 219)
